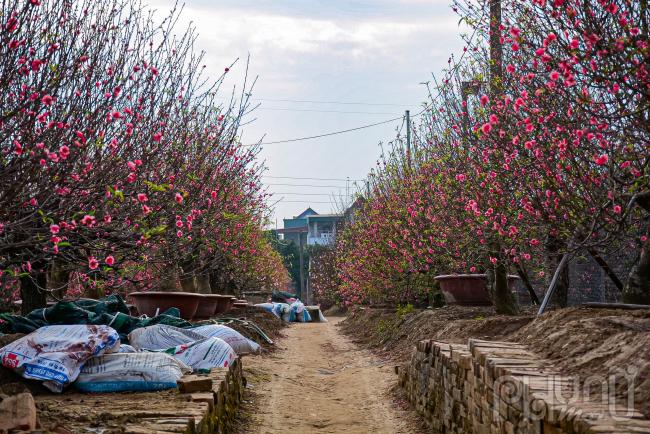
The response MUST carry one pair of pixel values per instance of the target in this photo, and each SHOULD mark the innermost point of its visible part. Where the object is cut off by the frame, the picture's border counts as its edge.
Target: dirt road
(320, 382)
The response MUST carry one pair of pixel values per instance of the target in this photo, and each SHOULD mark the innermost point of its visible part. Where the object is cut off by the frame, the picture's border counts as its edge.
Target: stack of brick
(501, 387)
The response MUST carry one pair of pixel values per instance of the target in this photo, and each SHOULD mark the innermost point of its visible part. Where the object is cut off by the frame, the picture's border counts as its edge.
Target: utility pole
(302, 265)
(347, 188)
(408, 138)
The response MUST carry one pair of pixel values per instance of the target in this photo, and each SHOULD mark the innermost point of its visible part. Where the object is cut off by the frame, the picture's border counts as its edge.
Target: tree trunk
(32, 296)
(637, 288)
(203, 283)
(504, 300)
(607, 269)
(521, 271)
(57, 279)
(187, 283)
(169, 279)
(215, 281)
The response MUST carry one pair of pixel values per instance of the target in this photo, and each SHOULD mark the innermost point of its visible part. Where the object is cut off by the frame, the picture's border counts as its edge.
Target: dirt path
(320, 382)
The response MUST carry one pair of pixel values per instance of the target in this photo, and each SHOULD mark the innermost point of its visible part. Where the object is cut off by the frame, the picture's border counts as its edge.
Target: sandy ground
(320, 382)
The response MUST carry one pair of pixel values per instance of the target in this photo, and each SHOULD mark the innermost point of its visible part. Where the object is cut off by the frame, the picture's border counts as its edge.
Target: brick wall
(500, 387)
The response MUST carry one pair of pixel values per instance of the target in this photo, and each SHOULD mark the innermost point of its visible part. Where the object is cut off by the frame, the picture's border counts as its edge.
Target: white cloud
(375, 51)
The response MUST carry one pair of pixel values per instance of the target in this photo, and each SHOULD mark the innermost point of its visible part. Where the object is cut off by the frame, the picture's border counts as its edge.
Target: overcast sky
(375, 52)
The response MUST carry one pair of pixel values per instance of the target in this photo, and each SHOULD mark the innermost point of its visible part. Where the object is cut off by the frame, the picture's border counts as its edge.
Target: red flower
(602, 159)
(92, 263)
(109, 260)
(12, 24)
(178, 197)
(64, 152)
(47, 100)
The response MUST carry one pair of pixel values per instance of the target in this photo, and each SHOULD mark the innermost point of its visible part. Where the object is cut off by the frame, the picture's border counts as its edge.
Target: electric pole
(408, 138)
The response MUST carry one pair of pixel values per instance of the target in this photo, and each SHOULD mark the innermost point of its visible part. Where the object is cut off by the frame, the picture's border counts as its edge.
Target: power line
(308, 185)
(303, 101)
(305, 194)
(307, 178)
(323, 111)
(331, 134)
(302, 201)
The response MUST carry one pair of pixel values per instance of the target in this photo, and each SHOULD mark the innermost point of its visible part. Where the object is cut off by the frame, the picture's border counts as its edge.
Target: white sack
(161, 337)
(56, 353)
(238, 342)
(204, 354)
(122, 372)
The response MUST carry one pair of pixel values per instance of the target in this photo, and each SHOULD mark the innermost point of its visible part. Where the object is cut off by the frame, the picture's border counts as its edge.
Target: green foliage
(290, 254)
(404, 309)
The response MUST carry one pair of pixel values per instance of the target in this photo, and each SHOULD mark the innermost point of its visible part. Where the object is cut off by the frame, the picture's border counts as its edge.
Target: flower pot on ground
(240, 304)
(223, 303)
(156, 302)
(468, 289)
(207, 306)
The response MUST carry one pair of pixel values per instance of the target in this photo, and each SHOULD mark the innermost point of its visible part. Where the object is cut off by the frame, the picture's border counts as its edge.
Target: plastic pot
(468, 289)
(207, 306)
(156, 302)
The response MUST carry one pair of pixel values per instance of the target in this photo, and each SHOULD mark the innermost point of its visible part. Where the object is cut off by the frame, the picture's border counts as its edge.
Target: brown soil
(395, 336)
(579, 341)
(320, 382)
(599, 343)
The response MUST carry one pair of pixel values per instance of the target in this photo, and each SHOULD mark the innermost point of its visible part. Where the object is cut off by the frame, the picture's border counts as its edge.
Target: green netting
(111, 310)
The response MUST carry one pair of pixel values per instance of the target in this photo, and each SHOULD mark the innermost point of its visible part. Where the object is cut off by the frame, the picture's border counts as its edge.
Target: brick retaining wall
(500, 387)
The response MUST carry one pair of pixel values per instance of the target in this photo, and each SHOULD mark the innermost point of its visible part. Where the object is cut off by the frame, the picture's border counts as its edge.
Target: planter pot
(156, 302)
(240, 304)
(223, 303)
(468, 289)
(207, 306)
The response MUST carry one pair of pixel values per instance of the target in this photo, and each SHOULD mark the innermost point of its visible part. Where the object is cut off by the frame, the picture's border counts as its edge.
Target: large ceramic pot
(240, 304)
(468, 289)
(156, 302)
(223, 304)
(207, 306)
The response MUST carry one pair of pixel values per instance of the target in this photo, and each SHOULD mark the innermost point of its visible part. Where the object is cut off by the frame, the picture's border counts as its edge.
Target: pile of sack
(93, 359)
(290, 312)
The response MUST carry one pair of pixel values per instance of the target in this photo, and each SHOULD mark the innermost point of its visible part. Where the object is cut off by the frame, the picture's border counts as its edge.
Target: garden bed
(579, 341)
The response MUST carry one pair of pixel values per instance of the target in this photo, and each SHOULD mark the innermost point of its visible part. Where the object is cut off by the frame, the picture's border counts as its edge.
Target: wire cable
(302, 101)
(305, 194)
(308, 178)
(308, 185)
(324, 111)
(301, 201)
(330, 134)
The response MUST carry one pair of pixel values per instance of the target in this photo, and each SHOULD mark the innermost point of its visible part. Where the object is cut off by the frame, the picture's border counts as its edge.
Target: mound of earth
(583, 342)
(395, 335)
